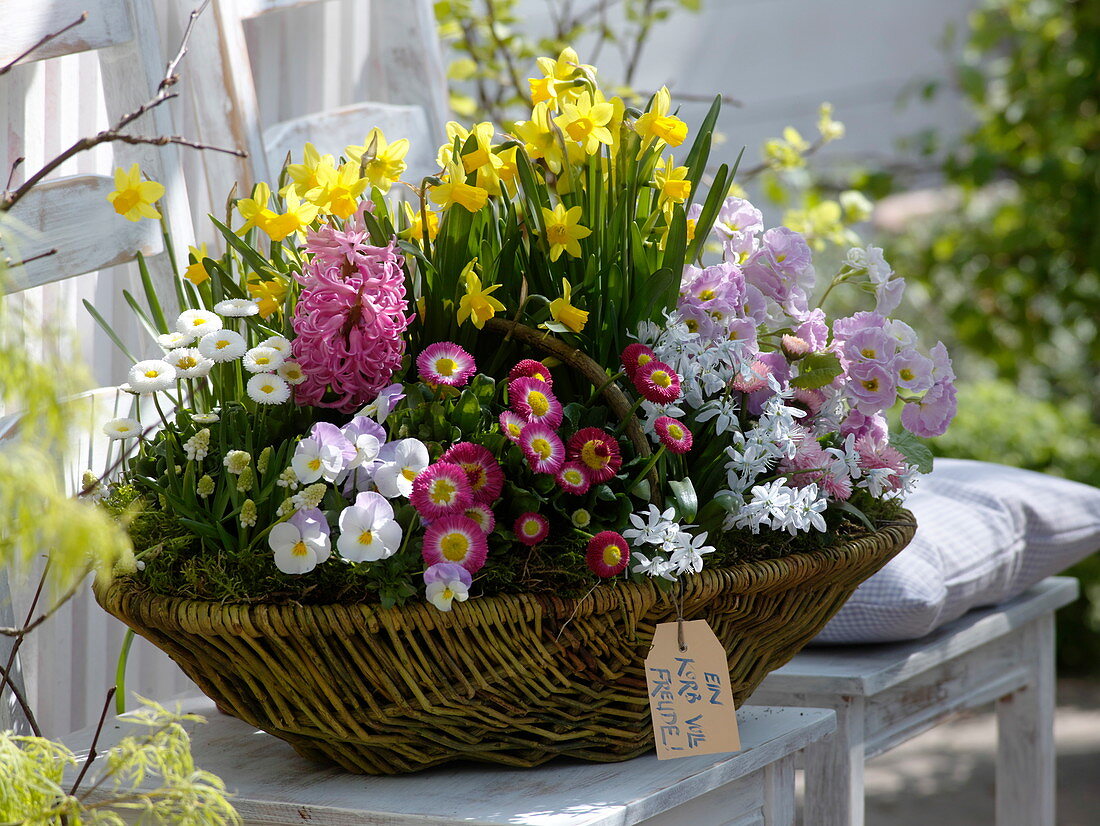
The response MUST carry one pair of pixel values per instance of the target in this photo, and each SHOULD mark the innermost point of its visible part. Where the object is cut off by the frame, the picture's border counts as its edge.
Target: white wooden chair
(273, 785)
(886, 694)
(405, 79)
(69, 661)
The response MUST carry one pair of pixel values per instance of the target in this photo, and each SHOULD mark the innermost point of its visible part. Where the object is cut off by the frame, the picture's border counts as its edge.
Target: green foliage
(492, 50)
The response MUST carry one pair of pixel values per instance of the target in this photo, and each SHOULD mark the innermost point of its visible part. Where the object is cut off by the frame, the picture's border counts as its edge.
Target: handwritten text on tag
(690, 698)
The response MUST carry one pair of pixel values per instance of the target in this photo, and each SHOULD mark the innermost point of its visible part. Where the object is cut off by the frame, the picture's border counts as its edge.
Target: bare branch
(170, 77)
(6, 679)
(11, 174)
(46, 39)
(32, 624)
(13, 264)
(92, 753)
(164, 140)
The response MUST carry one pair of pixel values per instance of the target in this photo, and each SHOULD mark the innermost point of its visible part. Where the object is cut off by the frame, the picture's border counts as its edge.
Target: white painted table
(275, 786)
(886, 694)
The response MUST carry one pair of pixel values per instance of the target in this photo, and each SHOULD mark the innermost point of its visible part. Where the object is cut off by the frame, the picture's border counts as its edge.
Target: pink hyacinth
(350, 319)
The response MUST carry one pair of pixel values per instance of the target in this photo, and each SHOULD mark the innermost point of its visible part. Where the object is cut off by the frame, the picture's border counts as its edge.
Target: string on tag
(678, 604)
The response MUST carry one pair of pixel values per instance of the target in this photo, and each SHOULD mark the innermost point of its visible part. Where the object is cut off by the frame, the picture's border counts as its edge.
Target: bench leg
(1025, 738)
(779, 793)
(834, 770)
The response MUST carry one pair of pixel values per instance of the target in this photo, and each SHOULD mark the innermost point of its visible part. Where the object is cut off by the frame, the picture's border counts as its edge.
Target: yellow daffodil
(382, 163)
(559, 84)
(298, 216)
(303, 175)
(586, 122)
(133, 198)
(415, 231)
(564, 313)
(673, 187)
(658, 124)
(339, 190)
(196, 273)
(456, 191)
(508, 171)
(254, 210)
(691, 224)
(540, 138)
(563, 230)
(270, 294)
(477, 305)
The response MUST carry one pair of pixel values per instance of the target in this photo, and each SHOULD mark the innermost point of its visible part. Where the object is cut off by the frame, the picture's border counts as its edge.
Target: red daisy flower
(573, 478)
(483, 516)
(598, 451)
(511, 424)
(534, 400)
(544, 450)
(482, 469)
(673, 434)
(635, 356)
(531, 369)
(445, 363)
(657, 382)
(455, 539)
(607, 554)
(441, 489)
(531, 528)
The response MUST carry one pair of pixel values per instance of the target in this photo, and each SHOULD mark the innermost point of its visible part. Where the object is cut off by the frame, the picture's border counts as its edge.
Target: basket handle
(614, 397)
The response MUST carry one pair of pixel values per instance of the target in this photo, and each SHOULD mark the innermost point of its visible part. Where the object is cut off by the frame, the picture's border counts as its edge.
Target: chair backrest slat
(26, 23)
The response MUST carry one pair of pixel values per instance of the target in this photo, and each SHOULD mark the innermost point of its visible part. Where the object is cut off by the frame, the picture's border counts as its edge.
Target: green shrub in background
(998, 423)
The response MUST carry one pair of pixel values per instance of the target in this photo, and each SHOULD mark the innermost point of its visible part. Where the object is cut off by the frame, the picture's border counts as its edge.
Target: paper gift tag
(690, 698)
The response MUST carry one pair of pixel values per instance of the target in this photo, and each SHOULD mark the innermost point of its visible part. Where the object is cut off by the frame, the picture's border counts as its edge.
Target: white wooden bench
(273, 785)
(886, 694)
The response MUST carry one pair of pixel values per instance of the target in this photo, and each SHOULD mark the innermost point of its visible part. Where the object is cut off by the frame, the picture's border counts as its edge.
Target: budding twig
(46, 39)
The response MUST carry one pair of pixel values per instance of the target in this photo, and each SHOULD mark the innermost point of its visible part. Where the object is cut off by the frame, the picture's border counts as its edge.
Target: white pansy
(368, 531)
(236, 308)
(443, 594)
(291, 372)
(401, 461)
(313, 460)
(151, 376)
(300, 544)
(267, 388)
(222, 345)
(170, 341)
(189, 363)
(197, 323)
(122, 428)
(263, 360)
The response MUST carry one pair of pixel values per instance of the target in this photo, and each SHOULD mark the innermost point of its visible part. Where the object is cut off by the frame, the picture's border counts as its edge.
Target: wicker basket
(516, 680)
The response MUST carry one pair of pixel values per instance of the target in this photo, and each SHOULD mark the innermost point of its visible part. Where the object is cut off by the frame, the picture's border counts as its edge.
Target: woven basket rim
(743, 577)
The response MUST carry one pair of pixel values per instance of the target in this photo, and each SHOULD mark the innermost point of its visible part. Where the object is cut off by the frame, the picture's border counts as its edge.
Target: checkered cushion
(986, 533)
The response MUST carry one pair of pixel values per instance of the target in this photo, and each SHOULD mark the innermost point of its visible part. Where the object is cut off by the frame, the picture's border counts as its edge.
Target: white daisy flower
(205, 418)
(267, 388)
(122, 428)
(277, 343)
(189, 363)
(263, 360)
(151, 376)
(236, 308)
(222, 345)
(292, 372)
(197, 323)
(368, 531)
(170, 341)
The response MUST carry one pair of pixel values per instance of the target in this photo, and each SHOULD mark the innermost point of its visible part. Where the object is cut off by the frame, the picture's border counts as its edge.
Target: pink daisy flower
(482, 470)
(607, 554)
(456, 539)
(757, 381)
(531, 369)
(544, 450)
(878, 454)
(445, 363)
(511, 424)
(441, 489)
(811, 464)
(531, 528)
(483, 516)
(635, 356)
(598, 451)
(573, 478)
(657, 382)
(533, 399)
(673, 434)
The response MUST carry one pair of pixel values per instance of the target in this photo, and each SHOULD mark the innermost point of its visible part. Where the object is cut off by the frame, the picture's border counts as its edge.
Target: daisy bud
(794, 347)
(265, 458)
(248, 514)
(245, 480)
(581, 518)
(205, 487)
